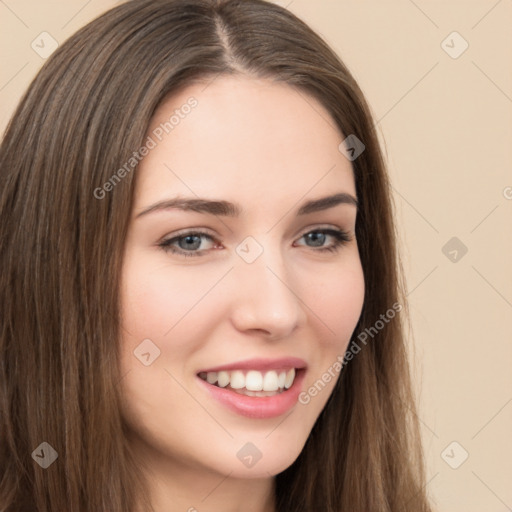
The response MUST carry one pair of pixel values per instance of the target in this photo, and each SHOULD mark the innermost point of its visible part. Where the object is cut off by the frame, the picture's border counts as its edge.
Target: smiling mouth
(252, 382)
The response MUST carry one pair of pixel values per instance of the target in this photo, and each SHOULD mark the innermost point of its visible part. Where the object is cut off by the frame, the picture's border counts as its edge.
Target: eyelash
(341, 237)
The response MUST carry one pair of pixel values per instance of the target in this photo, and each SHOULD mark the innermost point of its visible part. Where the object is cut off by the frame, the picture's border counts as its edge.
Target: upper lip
(260, 364)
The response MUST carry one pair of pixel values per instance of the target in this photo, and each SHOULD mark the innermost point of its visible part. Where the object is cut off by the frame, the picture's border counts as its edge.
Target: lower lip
(258, 407)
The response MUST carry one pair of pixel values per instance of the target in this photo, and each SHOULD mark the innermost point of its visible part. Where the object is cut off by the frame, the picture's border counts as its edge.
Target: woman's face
(242, 299)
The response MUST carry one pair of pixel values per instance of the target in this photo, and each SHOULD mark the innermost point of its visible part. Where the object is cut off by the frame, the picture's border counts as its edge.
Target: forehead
(251, 137)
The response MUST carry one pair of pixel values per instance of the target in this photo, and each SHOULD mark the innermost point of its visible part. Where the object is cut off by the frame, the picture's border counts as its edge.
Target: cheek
(157, 301)
(337, 305)
(336, 299)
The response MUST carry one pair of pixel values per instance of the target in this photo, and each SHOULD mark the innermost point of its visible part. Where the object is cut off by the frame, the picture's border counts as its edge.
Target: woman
(201, 296)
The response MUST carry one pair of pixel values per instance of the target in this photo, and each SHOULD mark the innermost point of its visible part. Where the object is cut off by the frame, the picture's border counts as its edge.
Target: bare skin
(269, 149)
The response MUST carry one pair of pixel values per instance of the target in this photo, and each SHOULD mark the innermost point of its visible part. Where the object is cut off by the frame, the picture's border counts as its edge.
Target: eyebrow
(228, 209)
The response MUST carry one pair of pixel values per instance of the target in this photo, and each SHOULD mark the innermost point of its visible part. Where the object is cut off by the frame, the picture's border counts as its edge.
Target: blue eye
(340, 238)
(186, 244)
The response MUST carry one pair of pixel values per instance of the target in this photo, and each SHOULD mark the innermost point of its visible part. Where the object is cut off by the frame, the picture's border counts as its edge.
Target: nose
(266, 299)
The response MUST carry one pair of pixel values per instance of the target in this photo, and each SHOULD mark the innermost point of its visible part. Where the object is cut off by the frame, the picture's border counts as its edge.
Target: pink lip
(257, 407)
(260, 364)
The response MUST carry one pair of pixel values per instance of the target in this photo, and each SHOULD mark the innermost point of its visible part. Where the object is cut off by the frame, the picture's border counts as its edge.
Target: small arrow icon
(249, 253)
(44, 44)
(249, 455)
(147, 352)
(454, 455)
(351, 147)
(45, 455)
(454, 249)
(454, 45)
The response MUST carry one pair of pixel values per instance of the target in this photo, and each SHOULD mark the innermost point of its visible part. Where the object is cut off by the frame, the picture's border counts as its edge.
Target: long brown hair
(82, 117)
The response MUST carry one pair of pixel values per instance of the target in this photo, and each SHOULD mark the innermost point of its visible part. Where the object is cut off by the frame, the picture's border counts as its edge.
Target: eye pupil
(315, 236)
(189, 239)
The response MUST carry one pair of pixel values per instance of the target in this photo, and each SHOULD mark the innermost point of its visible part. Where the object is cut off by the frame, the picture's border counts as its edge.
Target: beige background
(446, 126)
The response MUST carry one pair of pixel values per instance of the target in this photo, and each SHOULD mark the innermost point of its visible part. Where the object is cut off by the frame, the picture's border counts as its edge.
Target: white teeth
(237, 380)
(270, 381)
(289, 378)
(211, 377)
(252, 381)
(222, 377)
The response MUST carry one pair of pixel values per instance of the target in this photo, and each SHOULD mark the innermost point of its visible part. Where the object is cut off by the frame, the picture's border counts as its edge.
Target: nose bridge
(266, 299)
